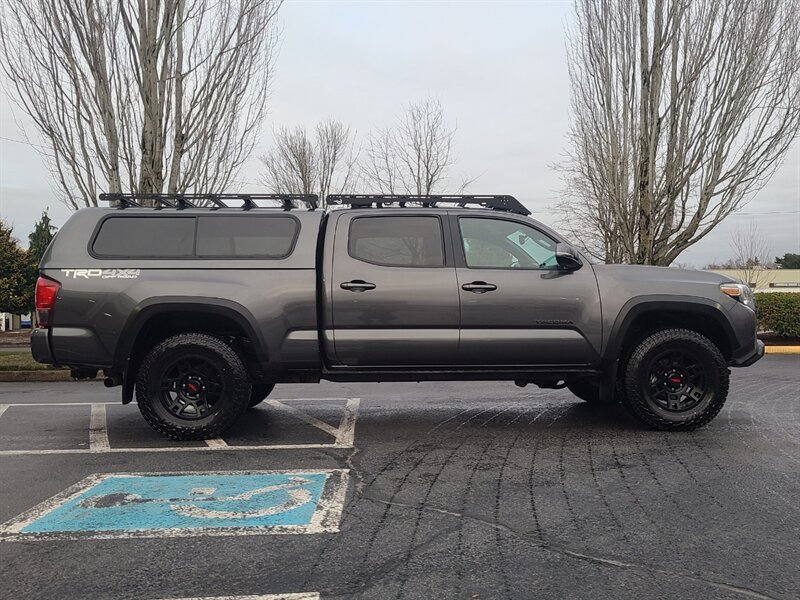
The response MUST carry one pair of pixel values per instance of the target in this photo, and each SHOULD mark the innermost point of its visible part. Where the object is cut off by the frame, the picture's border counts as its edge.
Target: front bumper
(748, 355)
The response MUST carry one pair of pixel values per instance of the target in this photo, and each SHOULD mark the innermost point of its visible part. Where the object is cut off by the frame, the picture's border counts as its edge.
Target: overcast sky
(498, 68)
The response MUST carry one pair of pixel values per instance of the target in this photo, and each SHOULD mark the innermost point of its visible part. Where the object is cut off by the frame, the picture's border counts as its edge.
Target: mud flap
(128, 383)
(608, 383)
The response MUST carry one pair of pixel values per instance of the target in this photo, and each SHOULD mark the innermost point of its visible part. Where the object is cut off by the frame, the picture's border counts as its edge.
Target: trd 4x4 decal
(102, 273)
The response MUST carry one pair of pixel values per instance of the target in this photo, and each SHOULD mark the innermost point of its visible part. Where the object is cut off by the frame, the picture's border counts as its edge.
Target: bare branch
(414, 157)
(751, 256)
(141, 95)
(322, 165)
(682, 110)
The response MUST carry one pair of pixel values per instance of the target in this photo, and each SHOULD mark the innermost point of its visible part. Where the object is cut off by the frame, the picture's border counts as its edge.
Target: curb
(782, 349)
(44, 375)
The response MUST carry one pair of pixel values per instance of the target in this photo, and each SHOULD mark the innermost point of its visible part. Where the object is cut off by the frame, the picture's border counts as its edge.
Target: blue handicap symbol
(194, 501)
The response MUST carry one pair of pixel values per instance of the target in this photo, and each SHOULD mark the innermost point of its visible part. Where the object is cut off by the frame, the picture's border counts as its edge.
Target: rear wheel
(192, 386)
(676, 380)
(260, 393)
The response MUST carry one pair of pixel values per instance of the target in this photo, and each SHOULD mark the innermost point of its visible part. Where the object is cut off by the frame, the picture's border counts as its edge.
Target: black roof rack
(502, 203)
(212, 201)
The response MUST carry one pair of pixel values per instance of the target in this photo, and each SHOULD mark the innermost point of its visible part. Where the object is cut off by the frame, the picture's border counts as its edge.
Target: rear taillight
(46, 292)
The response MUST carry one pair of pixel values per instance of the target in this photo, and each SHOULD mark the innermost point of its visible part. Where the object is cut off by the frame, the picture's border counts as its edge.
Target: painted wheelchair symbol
(294, 487)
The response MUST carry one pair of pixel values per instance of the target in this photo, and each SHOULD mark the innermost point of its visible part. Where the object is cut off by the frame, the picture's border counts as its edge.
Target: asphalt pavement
(436, 490)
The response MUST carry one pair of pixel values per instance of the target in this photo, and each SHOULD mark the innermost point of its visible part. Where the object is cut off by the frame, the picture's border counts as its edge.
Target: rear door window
(395, 241)
(246, 236)
(162, 237)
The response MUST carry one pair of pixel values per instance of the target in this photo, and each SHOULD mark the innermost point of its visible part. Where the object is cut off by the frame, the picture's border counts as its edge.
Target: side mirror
(567, 257)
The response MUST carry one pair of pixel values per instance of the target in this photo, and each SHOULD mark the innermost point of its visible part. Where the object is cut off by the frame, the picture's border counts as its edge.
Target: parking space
(468, 490)
(97, 427)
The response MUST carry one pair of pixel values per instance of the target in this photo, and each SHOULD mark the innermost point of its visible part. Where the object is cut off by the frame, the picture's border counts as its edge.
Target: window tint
(500, 244)
(264, 237)
(145, 236)
(397, 241)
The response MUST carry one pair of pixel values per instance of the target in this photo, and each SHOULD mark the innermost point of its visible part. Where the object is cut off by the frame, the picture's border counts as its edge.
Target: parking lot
(437, 490)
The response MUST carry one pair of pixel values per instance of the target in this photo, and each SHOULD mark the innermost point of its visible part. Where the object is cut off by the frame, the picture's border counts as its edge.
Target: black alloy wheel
(676, 380)
(191, 387)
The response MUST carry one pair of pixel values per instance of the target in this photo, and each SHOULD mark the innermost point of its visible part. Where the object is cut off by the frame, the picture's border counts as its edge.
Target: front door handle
(479, 287)
(357, 285)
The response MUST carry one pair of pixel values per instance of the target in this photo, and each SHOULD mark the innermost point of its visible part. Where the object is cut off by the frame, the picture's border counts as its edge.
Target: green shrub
(779, 312)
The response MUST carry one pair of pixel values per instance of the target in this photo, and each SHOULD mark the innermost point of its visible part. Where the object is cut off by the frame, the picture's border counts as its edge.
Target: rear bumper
(40, 347)
(70, 346)
(749, 355)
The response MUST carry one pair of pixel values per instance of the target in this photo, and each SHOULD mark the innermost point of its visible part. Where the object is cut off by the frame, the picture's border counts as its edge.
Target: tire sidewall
(235, 396)
(638, 373)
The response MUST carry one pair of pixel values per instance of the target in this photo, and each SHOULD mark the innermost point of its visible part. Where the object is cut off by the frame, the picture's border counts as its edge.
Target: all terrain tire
(676, 380)
(192, 386)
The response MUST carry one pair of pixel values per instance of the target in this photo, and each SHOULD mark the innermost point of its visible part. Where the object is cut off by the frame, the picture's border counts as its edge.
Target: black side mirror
(567, 257)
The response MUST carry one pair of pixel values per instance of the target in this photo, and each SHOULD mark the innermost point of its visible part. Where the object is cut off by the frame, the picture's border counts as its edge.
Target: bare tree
(140, 95)
(682, 110)
(751, 256)
(415, 156)
(323, 164)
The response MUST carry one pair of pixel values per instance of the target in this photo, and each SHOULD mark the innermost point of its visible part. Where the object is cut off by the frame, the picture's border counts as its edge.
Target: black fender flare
(635, 307)
(152, 307)
(165, 304)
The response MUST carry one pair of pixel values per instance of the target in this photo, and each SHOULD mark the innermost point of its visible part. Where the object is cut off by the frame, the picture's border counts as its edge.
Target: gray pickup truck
(202, 304)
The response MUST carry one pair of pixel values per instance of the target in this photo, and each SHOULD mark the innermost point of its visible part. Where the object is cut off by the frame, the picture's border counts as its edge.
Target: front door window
(501, 244)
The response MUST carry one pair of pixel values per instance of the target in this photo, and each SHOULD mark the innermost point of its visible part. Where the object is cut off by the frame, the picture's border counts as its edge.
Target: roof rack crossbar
(501, 203)
(210, 201)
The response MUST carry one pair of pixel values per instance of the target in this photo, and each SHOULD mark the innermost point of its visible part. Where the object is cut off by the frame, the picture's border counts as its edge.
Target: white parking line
(166, 449)
(311, 420)
(56, 403)
(99, 443)
(347, 426)
(98, 429)
(216, 443)
(296, 596)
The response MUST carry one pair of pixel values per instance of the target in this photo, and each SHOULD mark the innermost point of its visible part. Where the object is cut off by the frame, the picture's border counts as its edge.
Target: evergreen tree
(16, 295)
(41, 236)
(788, 261)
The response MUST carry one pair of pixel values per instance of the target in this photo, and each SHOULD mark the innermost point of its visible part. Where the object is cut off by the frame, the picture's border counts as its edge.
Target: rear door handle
(479, 287)
(357, 285)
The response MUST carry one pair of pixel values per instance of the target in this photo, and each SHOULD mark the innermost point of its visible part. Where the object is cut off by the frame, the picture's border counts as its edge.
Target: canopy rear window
(245, 236)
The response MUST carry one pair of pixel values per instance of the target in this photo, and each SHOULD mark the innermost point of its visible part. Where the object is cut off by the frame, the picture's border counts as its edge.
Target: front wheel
(192, 386)
(676, 380)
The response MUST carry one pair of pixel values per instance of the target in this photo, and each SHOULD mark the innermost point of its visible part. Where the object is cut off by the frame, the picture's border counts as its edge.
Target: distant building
(11, 322)
(766, 280)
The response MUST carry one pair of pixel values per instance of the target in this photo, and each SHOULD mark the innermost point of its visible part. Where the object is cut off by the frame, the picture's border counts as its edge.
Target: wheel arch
(158, 318)
(641, 316)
